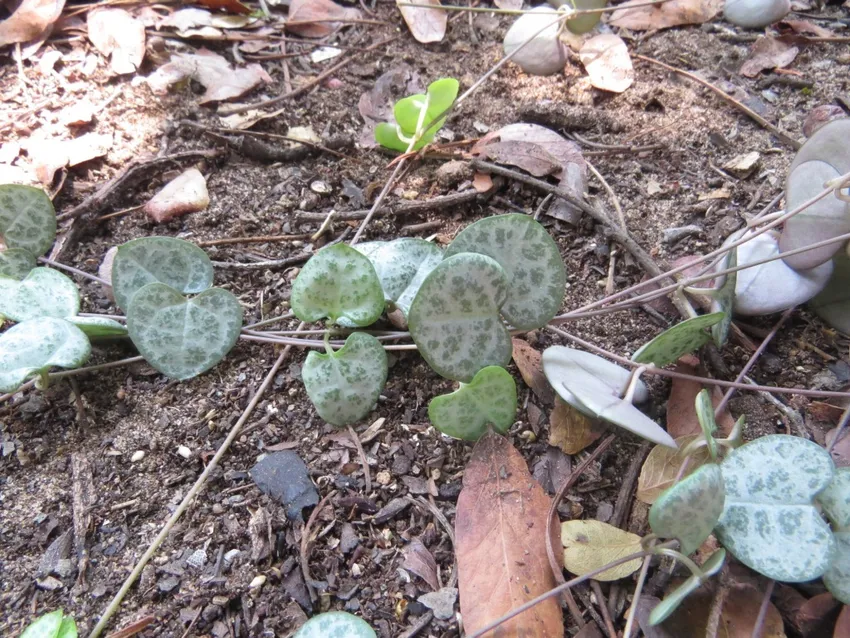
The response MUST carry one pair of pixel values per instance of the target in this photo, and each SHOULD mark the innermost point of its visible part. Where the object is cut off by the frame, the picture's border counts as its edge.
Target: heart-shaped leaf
(835, 499)
(531, 260)
(490, 399)
(335, 623)
(681, 339)
(345, 385)
(183, 337)
(454, 318)
(402, 265)
(595, 386)
(97, 327)
(590, 545)
(43, 293)
(662, 466)
(724, 299)
(32, 347)
(176, 263)
(705, 415)
(672, 600)
(837, 576)
(27, 219)
(338, 282)
(689, 510)
(16, 263)
(769, 522)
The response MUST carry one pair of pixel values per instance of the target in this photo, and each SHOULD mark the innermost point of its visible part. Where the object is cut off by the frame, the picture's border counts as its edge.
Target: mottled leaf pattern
(672, 600)
(531, 260)
(724, 300)
(338, 282)
(345, 385)
(96, 327)
(173, 262)
(689, 510)
(16, 263)
(43, 293)
(183, 337)
(33, 347)
(490, 399)
(335, 624)
(27, 219)
(769, 522)
(835, 499)
(454, 318)
(837, 576)
(679, 340)
(705, 416)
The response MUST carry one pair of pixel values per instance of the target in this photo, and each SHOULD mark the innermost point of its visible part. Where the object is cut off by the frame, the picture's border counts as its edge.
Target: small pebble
(356, 570)
(384, 478)
(184, 452)
(137, 456)
(258, 582)
(320, 187)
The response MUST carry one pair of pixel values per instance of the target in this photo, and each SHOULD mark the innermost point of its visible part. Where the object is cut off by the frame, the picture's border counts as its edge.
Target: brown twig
(363, 460)
(603, 608)
(305, 544)
(261, 239)
(625, 495)
(715, 611)
(400, 208)
(133, 628)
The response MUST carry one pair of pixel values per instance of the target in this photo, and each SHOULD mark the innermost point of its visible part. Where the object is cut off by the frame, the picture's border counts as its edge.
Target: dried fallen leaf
(418, 560)
(606, 59)
(116, 33)
(681, 405)
(841, 450)
(842, 625)
(661, 467)
(803, 27)
(48, 156)
(817, 615)
(663, 16)
(820, 115)
(308, 12)
(31, 21)
(426, 24)
(500, 526)
(186, 193)
(768, 53)
(482, 182)
(590, 544)
(527, 360)
(737, 619)
(195, 22)
(571, 430)
(221, 81)
(231, 6)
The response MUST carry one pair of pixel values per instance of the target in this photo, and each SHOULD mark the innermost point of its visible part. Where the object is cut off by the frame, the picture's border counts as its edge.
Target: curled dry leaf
(570, 430)
(606, 59)
(768, 53)
(118, 36)
(418, 560)
(308, 12)
(194, 22)
(500, 526)
(186, 193)
(590, 545)
(662, 465)
(32, 20)
(663, 16)
(527, 360)
(426, 24)
(48, 156)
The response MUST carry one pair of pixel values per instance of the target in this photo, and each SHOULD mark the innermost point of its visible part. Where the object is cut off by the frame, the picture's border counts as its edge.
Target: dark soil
(132, 410)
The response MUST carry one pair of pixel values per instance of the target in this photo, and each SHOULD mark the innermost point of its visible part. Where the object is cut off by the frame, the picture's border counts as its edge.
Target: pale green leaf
(531, 260)
(45, 626)
(724, 300)
(68, 629)
(586, 22)
(490, 399)
(27, 218)
(345, 385)
(16, 263)
(835, 499)
(590, 545)
(672, 600)
(183, 337)
(335, 624)
(681, 339)
(386, 134)
(832, 304)
(705, 416)
(837, 576)
(43, 293)
(96, 327)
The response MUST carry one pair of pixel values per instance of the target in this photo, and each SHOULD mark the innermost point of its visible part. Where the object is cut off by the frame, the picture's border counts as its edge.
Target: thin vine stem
(76, 271)
(574, 13)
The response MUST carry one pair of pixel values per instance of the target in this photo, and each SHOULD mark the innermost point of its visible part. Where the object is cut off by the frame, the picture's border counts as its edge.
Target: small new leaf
(43, 293)
(98, 327)
(667, 606)
(27, 218)
(705, 416)
(681, 339)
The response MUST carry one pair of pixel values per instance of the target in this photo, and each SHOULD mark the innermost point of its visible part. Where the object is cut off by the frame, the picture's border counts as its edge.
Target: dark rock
(401, 464)
(348, 538)
(391, 510)
(283, 476)
(168, 584)
(449, 491)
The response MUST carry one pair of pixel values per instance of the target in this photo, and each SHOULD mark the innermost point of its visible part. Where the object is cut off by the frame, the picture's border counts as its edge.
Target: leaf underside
(27, 218)
(681, 339)
(42, 293)
(97, 327)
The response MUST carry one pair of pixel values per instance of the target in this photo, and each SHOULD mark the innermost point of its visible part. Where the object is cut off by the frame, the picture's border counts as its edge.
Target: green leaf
(27, 218)
(43, 293)
(386, 135)
(530, 258)
(345, 385)
(442, 94)
(832, 304)
(684, 337)
(724, 300)
(837, 576)
(407, 110)
(45, 626)
(68, 629)
(490, 399)
(705, 416)
(689, 510)
(338, 282)
(183, 337)
(672, 600)
(32, 347)
(96, 327)
(402, 265)
(338, 624)
(173, 262)
(835, 499)
(585, 23)
(454, 319)
(769, 522)
(16, 263)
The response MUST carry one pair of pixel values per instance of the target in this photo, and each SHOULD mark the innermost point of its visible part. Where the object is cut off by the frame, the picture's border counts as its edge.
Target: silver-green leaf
(183, 337)
(167, 260)
(837, 576)
(705, 416)
(454, 319)
(531, 260)
(32, 347)
(97, 327)
(490, 399)
(835, 499)
(672, 600)
(769, 521)
(43, 293)
(16, 263)
(338, 282)
(684, 337)
(335, 624)
(345, 385)
(27, 218)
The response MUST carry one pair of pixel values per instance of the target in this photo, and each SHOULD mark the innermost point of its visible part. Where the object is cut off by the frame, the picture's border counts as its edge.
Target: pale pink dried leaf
(104, 271)
(426, 24)
(418, 560)
(186, 193)
(803, 27)
(608, 64)
(119, 36)
(30, 21)
(306, 12)
(768, 53)
(663, 16)
(48, 156)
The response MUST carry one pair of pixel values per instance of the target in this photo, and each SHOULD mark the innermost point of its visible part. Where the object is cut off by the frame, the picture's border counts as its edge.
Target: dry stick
(644, 570)
(447, 527)
(76, 271)
(715, 612)
(363, 460)
(305, 544)
(781, 135)
(765, 605)
(603, 608)
(187, 500)
(574, 14)
(261, 239)
(133, 628)
(402, 208)
(612, 259)
(840, 429)
(271, 136)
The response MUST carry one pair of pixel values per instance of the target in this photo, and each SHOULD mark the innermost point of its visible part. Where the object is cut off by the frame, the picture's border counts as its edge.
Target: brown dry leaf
(116, 33)
(841, 451)
(842, 625)
(819, 116)
(818, 615)
(804, 27)
(48, 156)
(500, 531)
(307, 12)
(527, 359)
(529, 156)
(681, 408)
(663, 16)
(186, 193)
(231, 6)
(221, 81)
(31, 21)
(737, 619)
(482, 182)
(426, 24)
(768, 53)
(608, 64)
(662, 465)
(590, 545)
(418, 560)
(571, 430)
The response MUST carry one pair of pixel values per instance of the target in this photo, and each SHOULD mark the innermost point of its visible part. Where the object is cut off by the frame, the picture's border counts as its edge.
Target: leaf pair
(415, 112)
